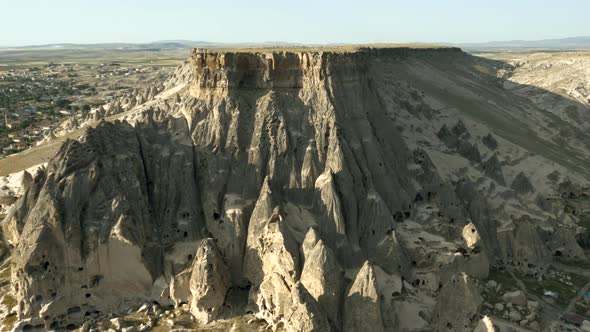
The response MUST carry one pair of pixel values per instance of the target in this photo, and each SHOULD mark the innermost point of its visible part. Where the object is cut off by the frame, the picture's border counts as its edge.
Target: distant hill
(572, 43)
(134, 46)
(159, 45)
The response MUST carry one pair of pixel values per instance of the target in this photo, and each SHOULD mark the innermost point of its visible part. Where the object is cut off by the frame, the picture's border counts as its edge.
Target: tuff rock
(324, 188)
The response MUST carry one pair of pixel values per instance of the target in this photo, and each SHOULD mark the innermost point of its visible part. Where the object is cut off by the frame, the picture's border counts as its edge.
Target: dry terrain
(389, 187)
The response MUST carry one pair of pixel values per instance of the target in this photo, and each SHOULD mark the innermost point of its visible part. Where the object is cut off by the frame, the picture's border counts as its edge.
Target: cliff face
(251, 70)
(103, 220)
(286, 169)
(232, 70)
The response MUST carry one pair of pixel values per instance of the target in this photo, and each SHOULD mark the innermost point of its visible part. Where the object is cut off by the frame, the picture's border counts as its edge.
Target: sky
(35, 22)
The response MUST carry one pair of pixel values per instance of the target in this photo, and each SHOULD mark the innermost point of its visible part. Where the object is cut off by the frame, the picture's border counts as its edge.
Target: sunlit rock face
(330, 188)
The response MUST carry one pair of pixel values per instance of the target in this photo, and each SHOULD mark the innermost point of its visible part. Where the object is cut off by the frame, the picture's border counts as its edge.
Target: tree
(62, 103)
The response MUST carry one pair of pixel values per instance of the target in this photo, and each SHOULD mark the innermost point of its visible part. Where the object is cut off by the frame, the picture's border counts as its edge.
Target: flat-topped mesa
(288, 68)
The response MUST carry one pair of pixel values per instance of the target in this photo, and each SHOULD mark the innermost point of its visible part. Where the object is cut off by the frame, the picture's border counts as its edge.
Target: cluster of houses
(23, 139)
(35, 100)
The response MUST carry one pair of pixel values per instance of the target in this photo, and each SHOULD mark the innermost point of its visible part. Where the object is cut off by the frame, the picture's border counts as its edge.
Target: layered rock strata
(287, 175)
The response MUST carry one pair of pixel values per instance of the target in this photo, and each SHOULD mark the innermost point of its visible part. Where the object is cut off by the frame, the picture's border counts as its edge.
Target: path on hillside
(550, 312)
(572, 304)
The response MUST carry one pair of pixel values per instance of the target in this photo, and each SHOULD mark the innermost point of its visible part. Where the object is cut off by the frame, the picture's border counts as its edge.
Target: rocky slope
(318, 190)
(542, 76)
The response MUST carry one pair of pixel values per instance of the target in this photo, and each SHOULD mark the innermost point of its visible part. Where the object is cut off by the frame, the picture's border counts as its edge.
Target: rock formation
(362, 305)
(323, 277)
(321, 187)
(209, 282)
(461, 304)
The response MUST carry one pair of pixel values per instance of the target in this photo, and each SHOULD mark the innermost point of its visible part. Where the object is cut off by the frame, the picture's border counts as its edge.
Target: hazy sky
(26, 22)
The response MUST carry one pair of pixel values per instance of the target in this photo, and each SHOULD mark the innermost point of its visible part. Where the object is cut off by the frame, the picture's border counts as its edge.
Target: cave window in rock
(558, 253)
(216, 216)
(96, 280)
(418, 198)
(185, 234)
(190, 257)
(73, 310)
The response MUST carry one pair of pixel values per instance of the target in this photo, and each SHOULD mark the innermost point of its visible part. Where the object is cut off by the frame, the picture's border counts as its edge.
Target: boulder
(209, 282)
(533, 305)
(180, 287)
(535, 326)
(161, 291)
(516, 297)
(514, 316)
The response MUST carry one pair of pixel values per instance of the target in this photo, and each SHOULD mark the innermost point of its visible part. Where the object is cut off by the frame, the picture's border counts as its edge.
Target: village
(36, 98)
